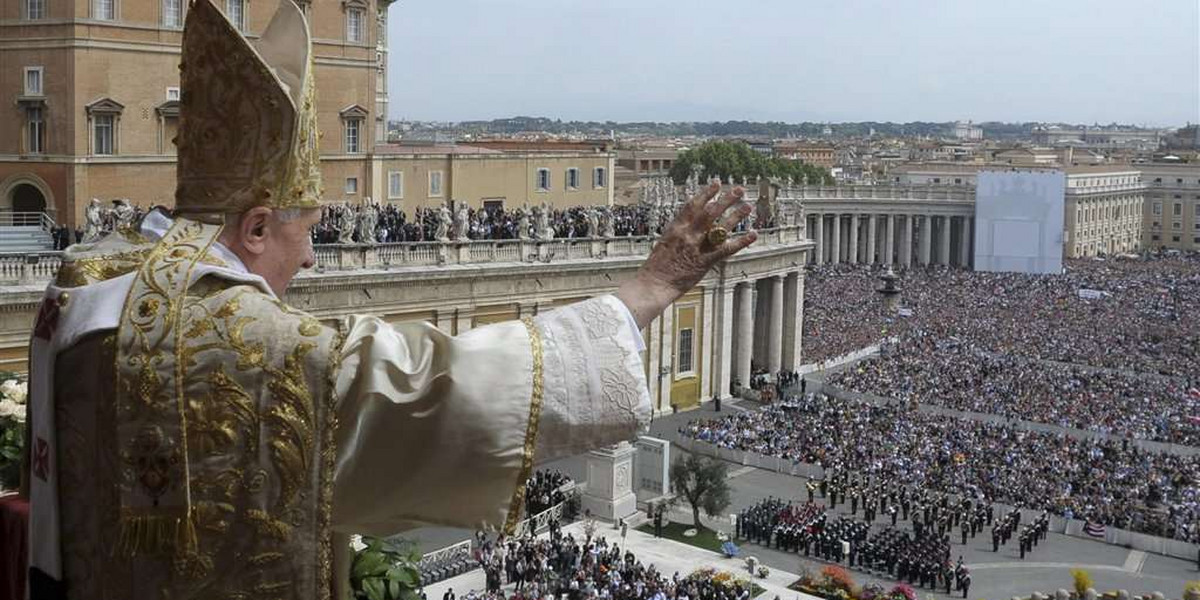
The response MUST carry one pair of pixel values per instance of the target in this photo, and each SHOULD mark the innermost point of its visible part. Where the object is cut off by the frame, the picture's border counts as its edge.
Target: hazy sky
(1132, 61)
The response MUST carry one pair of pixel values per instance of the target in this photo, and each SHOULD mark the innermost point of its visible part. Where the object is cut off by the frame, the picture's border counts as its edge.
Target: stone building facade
(91, 94)
(1172, 210)
(1103, 211)
(424, 176)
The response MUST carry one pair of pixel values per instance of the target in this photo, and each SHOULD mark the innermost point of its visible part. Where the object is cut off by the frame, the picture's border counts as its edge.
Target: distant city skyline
(1071, 61)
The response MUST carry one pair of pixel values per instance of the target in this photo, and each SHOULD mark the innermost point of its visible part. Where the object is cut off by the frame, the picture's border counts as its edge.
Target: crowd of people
(563, 566)
(543, 490)
(920, 556)
(947, 373)
(1139, 321)
(1104, 481)
(343, 223)
(1107, 346)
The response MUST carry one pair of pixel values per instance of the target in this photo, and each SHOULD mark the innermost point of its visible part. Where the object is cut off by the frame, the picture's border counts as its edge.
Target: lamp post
(890, 292)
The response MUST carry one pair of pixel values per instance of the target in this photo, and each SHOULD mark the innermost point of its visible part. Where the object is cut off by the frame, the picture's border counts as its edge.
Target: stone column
(906, 242)
(723, 361)
(925, 246)
(655, 359)
(835, 254)
(666, 358)
(944, 253)
(889, 240)
(793, 318)
(708, 325)
(819, 238)
(852, 255)
(744, 332)
(964, 242)
(762, 319)
(775, 326)
(871, 235)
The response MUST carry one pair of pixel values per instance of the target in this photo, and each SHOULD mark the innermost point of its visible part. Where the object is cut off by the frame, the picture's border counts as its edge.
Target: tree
(701, 481)
(737, 159)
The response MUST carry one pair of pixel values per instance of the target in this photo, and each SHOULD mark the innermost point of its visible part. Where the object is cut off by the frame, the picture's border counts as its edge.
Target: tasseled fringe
(159, 534)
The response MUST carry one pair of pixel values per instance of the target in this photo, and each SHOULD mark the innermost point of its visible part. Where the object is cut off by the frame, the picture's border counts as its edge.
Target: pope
(195, 437)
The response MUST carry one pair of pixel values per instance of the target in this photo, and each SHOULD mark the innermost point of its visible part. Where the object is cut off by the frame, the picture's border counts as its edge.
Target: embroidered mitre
(248, 125)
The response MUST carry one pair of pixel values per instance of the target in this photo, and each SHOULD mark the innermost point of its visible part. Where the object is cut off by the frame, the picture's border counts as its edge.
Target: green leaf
(393, 589)
(374, 589)
(369, 564)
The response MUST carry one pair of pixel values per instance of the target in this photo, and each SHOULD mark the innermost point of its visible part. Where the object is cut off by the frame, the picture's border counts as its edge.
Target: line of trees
(739, 160)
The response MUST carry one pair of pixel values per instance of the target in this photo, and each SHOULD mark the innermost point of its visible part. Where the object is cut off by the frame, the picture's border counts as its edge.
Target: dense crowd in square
(1122, 360)
(1105, 481)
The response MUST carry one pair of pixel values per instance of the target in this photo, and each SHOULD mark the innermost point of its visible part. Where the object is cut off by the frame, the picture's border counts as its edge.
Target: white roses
(12, 399)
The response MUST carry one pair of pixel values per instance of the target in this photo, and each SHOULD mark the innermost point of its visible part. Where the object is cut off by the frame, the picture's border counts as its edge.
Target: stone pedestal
(349, 257)
(610, 482)
(462, 253)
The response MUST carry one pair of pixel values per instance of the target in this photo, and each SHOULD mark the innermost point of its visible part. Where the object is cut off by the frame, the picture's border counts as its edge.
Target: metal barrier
(9, 218)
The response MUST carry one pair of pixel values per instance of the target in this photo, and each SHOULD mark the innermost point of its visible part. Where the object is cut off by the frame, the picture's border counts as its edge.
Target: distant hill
(770, 129)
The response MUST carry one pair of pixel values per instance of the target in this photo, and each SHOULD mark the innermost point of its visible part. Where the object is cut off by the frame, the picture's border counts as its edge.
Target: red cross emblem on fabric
(41, 459)
(47, 319)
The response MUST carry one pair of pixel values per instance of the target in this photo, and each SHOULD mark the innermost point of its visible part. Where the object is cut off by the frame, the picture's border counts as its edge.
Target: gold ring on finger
(715, 236)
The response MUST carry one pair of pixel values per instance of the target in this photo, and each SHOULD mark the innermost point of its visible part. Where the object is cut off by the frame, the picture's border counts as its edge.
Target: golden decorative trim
(531, 430)
(155, 423)
(328, 462)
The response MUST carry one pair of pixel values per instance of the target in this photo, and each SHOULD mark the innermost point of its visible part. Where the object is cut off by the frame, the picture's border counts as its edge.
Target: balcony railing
(9, 218)
(39, 268)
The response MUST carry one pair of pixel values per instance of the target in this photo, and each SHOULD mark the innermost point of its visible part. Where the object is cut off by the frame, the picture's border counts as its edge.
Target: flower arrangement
(13, 394)
(903, 591)
(722, 578)
(837, 578)
(764, 572)
(871, 591)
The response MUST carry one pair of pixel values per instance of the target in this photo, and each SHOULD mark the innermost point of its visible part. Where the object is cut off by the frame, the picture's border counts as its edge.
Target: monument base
(609, 492)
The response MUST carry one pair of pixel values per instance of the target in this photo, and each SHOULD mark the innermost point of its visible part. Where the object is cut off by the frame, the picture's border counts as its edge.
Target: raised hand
(690, 246)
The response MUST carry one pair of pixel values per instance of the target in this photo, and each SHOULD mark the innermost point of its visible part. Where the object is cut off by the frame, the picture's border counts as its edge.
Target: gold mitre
(248, 124)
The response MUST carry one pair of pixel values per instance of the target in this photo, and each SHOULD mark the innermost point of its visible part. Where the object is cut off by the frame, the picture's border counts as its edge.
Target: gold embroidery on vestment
(531, 429)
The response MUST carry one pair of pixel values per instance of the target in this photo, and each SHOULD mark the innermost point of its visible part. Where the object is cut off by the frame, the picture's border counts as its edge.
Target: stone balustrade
(33, 269)
(24, 269)
(948, 193)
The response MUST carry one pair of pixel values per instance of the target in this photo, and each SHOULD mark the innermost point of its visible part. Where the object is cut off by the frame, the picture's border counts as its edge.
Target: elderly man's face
(289, 249)
(272, 247)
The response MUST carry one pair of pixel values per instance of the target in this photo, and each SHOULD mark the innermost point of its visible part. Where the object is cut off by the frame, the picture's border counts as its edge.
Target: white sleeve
(443, 430)
(596, 389)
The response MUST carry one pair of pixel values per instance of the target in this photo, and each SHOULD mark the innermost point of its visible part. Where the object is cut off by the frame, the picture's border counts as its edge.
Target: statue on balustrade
(462, 223)
(195, 436)
(592, 216)
(609, 225)
(123, 215)
(653, 218)
(523, 223)
(368, 219)
(346, 223)
(544, 230)
(94, 225)
(442, 224)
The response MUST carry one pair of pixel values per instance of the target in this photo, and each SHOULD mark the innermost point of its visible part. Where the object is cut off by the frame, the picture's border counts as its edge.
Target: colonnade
(901, 239)
(765, 332)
